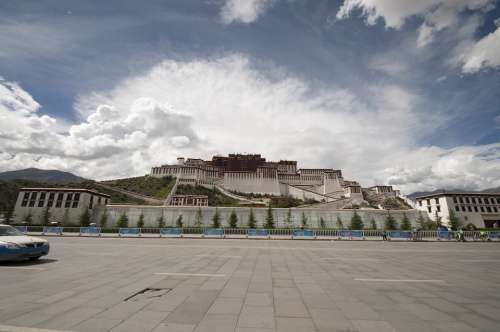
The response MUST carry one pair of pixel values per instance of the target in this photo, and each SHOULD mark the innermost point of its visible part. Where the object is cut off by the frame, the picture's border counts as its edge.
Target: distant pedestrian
(384, 235)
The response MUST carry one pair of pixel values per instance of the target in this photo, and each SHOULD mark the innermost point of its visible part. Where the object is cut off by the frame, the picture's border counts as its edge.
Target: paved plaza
(88, 284)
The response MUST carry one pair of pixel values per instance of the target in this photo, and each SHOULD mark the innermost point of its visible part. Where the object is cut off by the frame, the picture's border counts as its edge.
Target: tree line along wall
(170, 214)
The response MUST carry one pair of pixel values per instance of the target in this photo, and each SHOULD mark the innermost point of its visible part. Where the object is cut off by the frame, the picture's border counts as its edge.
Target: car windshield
(9, 231)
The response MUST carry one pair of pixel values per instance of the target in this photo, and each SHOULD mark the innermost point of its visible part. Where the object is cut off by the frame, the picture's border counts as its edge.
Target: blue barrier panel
(90, 231)
(171, 231)
(444, 234)
(344, 233)
(129, 232)
(22, 229)
(52, 230)
(357, 234)
(399, 234)
(494, 235)
(257, 232)
(213, 232)
(303, 232)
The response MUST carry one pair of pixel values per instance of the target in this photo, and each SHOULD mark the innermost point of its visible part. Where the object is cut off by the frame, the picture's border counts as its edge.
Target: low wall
(171, 213)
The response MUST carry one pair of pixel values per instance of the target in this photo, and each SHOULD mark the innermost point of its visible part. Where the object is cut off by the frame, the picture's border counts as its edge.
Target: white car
(15, 245)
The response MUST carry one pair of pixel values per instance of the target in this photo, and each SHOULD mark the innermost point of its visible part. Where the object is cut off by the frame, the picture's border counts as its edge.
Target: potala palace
(253, 174)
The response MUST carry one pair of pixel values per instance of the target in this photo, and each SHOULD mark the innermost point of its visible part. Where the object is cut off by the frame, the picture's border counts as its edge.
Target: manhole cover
(148, 294)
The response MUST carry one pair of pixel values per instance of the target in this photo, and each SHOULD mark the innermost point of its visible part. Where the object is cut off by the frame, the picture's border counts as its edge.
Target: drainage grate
(147, 294)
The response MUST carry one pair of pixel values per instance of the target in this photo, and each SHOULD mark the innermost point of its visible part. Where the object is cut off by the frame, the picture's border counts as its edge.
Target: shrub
(46, 216)
(322, 223)
(455, 222)
(161, 221)
(340, 225)
(216, 219)
(233, 220)
(269, 218)
(356, 222)
(289, 218)
(405, 223)
(373, 224)
(85, 218)
(390, 222)
(178, 221)
(303, 220)
(470, 227)
(140, 222)
(198, 218)
(104, 219)
(122, 221)
(251, 220)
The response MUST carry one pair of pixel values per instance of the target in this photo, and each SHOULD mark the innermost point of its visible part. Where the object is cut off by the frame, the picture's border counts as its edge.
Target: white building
(480, 209)
(253, 174)
(65, 205)
(386, 191)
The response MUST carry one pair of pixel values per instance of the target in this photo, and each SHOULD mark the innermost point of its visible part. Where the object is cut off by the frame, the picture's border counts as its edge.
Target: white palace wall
(152, 213)
(251, 183)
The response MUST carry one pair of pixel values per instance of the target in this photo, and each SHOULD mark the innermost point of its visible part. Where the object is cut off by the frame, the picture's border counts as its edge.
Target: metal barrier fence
(290, 233)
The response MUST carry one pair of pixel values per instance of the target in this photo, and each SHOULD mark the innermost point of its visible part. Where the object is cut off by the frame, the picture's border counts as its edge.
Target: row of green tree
(356, 222)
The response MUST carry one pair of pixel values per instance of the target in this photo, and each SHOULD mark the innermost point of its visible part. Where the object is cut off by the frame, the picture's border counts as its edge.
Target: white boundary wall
(152, 213)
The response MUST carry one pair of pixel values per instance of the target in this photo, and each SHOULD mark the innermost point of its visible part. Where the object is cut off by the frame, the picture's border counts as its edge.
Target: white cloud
(230, 106)
(437, 15)
(243, 11)
(482, 54)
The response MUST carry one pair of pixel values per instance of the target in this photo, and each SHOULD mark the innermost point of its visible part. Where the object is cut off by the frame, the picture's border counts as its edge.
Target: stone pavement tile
(122, 310)
(479, 322)
(373, 326)
(70, 318)
(286, 293)
(142, 321)
(358, 310)
(216, 323)
(227, 305)
(167, 303)
(193, 309)
(426, 312)
(290, 308)
(283, 283)
(454, 327)
(486, 310)
(105, 302)
(166, 283)
(330, 319)
(257, 317)
(56, 297)
(29, 319)
(213, 284)
(260, 287)
(259, 299)
(172, 327)
(18, 309)
(235, 288)
(285, 324)
(96, 325)
(251, 329)
(444, 305)
(319, 301)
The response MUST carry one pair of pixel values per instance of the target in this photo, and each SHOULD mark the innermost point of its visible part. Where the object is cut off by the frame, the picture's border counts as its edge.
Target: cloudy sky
(403, 92)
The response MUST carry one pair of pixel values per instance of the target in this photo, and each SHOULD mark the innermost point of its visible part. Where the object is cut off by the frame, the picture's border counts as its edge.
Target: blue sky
(399, 92)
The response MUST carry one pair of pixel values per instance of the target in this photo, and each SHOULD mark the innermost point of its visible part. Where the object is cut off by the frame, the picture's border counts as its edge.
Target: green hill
(145, 185)
(41, 175)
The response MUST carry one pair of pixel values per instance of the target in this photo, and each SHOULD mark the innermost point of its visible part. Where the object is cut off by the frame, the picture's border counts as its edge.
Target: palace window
(428, 202)
(429, 209)
(41, 203)
(457, 208)
(454, 199)
(75, 204)
(460, 199)
(463, 208)
(498, 200)
(469, 208)
(488, 209)
(77, 197)
(475, 209)
(495, 209)
(467, 200)
(419, 203)
(436, 200)
(438, 208)
(482, 208)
